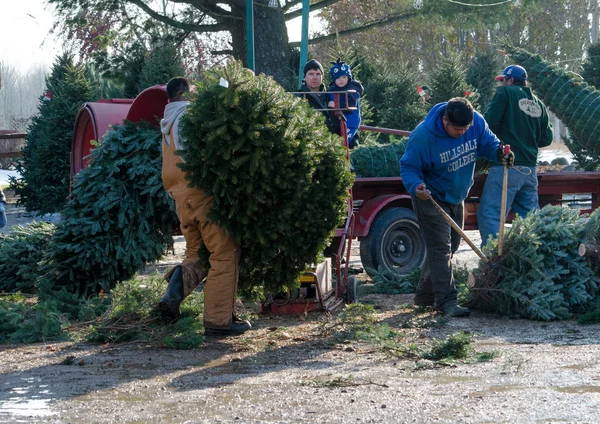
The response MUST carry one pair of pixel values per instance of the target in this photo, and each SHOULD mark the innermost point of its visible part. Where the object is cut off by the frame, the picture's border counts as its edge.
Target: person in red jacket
(192, 210)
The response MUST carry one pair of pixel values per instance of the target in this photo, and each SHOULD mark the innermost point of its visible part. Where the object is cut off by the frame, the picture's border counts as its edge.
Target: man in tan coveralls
(192, 209)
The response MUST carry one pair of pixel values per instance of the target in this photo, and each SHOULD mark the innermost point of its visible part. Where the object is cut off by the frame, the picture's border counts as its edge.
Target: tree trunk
(595, 21)
(272, 54)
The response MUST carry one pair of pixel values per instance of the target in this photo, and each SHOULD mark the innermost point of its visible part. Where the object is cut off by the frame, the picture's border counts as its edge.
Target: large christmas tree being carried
(279, 179)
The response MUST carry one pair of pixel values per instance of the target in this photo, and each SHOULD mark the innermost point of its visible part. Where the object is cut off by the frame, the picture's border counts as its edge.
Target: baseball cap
(514, 71)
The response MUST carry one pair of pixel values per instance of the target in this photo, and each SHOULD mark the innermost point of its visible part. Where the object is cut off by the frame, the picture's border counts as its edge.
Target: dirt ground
(298, 369)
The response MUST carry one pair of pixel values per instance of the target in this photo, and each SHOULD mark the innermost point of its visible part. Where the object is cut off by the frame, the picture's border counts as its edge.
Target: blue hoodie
(445, 164)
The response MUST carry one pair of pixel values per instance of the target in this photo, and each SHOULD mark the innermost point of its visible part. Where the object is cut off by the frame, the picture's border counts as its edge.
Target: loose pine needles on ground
(278, 178)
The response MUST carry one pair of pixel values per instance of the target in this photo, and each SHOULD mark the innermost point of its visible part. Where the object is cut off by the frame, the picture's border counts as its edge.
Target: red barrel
(94, 119)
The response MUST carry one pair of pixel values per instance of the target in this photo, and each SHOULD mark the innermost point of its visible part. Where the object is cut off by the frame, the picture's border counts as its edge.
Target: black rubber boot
(171, 300)
(238, 326)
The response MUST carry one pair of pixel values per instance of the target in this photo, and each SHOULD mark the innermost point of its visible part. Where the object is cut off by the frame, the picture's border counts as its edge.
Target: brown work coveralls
(192, 209)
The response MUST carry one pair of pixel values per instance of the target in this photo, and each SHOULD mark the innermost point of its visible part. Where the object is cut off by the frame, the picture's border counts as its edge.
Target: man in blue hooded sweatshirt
(439, 163)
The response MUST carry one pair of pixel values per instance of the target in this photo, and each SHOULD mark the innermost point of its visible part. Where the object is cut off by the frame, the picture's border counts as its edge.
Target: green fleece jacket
(520, 119)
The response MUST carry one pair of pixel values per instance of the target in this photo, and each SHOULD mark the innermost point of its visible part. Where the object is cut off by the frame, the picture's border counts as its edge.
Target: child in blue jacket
(341, 80)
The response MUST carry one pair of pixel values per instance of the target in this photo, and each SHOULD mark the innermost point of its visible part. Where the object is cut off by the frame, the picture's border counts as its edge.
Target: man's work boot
(238, 326)
(171, 300)
(456, 311)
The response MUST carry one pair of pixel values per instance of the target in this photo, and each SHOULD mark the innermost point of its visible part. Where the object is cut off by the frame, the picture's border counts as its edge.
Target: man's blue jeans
(521, 195)
(2, 215)
(436, 286)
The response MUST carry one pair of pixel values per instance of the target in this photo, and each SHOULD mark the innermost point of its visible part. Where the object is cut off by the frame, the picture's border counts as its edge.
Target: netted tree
(43, 184)
(576, 103)
(278, 178)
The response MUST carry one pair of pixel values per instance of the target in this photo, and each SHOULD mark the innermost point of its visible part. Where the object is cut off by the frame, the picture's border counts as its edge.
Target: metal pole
(304, 40)
(250, 33)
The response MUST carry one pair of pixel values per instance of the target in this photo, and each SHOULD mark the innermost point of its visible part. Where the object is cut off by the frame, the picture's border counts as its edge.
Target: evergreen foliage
(380, 160)
(278, 178)
(540, 276)
(119, 217)
(449, 80)
(565, 93)
(132, 316)
(481, 73)
(44, 169)
(591, 67)
(162, 64)
(395, 99)
(21, 251)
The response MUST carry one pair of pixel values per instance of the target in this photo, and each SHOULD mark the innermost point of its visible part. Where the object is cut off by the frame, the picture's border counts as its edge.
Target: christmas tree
(162, 64)
(481, 73)
(565, 93)
(448, 80)
(591, 66)
(278, 178)
(119, 218)
(45, 166)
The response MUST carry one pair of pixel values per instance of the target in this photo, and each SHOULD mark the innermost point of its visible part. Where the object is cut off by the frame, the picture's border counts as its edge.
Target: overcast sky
(24, 39)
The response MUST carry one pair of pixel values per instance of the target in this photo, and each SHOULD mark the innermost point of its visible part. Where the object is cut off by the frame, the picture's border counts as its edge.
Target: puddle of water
(577, 389)
(31, 400)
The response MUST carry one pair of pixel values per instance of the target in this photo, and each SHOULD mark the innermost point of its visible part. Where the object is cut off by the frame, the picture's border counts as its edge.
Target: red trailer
(388, 230)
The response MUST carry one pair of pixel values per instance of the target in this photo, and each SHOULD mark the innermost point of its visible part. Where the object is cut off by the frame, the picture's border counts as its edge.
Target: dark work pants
(436, 285)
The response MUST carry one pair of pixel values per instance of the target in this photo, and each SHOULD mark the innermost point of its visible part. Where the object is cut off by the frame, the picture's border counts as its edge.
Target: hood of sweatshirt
(173, 113)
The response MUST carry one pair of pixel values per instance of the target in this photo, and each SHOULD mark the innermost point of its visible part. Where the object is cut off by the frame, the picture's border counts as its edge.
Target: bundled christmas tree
(378, 160)
(565, 93)
(119, 218)
(541, 275)
(279, 179)
(45, 166)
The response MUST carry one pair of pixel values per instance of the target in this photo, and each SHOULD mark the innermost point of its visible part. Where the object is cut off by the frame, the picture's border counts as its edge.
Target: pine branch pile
(380, 160)
(541, 275)
(565, 93)
(279, 179)
(21, 252)
(119, 218)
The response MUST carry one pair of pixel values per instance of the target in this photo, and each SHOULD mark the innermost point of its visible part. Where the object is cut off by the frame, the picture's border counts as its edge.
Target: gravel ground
(299, 369)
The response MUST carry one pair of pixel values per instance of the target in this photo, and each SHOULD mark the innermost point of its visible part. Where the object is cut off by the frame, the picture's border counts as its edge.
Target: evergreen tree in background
(481, 73)
(591, 67)
(565, 93)
(449, 80)
(162, 64)
(44, 169)
(402, 107)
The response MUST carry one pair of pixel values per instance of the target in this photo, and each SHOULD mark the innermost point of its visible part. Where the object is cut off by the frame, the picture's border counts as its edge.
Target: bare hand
(422, 193)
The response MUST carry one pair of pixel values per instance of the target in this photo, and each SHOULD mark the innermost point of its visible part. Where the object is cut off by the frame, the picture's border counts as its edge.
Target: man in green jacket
(520, 119)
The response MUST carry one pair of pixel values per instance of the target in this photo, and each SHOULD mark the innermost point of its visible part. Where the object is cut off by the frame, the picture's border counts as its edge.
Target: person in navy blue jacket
(341, 81)
(439, 163)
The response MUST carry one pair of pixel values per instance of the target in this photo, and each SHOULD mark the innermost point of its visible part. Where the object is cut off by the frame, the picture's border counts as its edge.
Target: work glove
(505, 155)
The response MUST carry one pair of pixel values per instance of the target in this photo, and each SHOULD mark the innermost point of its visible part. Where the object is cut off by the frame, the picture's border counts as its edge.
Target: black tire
(352, 289)
(394, 242)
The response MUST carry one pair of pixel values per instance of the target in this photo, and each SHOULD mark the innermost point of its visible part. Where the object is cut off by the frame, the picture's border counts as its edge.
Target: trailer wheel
(352, 289)
(394, 242)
